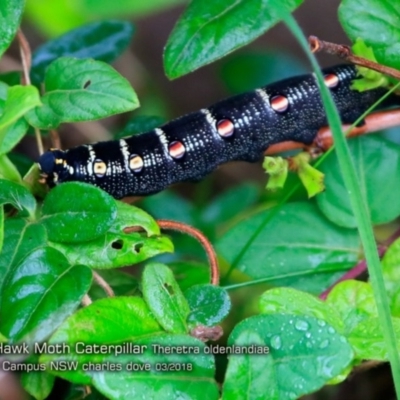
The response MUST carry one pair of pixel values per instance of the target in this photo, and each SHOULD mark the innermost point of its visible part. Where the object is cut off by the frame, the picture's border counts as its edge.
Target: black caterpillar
(188, 148)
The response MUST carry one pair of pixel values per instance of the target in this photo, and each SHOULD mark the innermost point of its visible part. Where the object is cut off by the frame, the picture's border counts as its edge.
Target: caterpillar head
(53, 167)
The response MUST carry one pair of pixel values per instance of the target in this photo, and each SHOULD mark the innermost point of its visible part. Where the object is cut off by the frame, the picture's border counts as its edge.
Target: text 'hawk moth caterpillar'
(188, 148)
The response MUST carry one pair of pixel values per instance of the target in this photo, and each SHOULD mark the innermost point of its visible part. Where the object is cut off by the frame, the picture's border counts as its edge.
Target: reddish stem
(195, 233)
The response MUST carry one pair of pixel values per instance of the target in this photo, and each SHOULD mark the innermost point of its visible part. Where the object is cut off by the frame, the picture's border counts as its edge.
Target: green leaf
(103, 41)
(20, 99)
(10, 18)
(81, 90)
(374, 157)
(368, 341)
(208, 31)
(306, 352)
(164, 297)
(391, 275)
(291, 301)
(18, 196)
(39, 293)
(115, 320)
(11, 78)
(38, 383)
(374, 21)
(116, 248)
(353, 301)
(250, 376)
(12, 135)
(304, 258)
(277, 169)
(139, 124)
(208, 304)
(22, 238)
(1, 229)
(192, 376)
(8, 170)
(311, 178)
(77, 212)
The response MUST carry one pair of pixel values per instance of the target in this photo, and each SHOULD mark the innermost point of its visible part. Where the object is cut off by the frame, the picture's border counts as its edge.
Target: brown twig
(26, 59)
(103, 284)
(373, 123)
(195, 233)
(86, 300)
(343, 51)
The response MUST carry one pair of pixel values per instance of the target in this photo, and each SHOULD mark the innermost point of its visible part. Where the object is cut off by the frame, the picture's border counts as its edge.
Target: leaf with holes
(171, 376)
(291, 301)
(374, 157)
(112, 321)
(208, 304)
(306, 353)
(18, 196)
(243, 370)
(39, 292)
(209, 30)
(81, 90)
(103, 41)
(10, 18)
(374, 21)
(118, 247)
(77, 212)
(165, 298)
(304, 258)
(22, 239)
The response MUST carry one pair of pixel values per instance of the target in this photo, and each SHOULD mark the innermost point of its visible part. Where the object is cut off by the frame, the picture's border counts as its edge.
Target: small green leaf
(139, 124)
(291, 301)
(374, 21)
(391, 275)
(12, 135)
(18, 196)
(39, 293)
(353, 301)
(312, 179)
(10, 18)
(306, 352)
(368, 341)
(8, 170)
(20, 99)
(165, 298)
(277, 168)
(81, 90)
(77, 212)
(103, 41)
(208, 304)
(250, 376)
(208, 31)
(374, 157)
(115, 320)
(172, 376)
(38, 383)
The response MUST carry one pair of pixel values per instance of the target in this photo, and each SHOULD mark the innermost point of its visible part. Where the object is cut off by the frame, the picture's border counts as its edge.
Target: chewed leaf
(81, 90)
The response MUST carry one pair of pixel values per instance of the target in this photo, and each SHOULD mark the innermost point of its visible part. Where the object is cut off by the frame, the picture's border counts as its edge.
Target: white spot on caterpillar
(163, 139)
(263, 95)
(92, 158)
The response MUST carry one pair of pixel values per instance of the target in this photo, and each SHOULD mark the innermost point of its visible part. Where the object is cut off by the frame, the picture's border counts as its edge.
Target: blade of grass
(359, 206)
